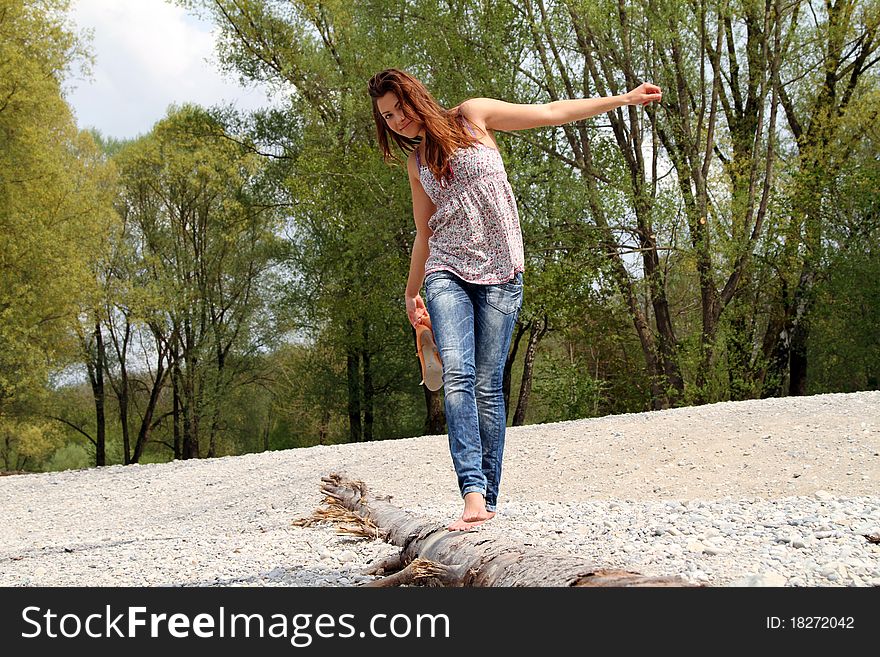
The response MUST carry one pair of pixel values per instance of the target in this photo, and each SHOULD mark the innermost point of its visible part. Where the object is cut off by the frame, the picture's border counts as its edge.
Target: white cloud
(148, 54)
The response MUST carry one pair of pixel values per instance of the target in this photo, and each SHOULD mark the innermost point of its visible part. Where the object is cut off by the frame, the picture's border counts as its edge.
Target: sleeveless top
(476, 230)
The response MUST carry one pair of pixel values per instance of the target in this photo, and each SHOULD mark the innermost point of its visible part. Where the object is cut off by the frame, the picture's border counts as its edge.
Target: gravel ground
(764, 493)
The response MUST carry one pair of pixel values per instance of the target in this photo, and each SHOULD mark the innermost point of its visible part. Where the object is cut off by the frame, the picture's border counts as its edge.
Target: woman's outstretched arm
(499, 115)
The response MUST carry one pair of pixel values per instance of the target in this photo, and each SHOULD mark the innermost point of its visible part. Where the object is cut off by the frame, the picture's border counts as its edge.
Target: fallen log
(431, 554)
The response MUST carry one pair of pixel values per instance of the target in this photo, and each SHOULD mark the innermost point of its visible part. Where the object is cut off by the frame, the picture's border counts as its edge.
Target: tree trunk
(786, 342)
(176, 412)
(122, 387)
(147, 420)
(95, 369)
(214, 429)
(773, 374)
(219, 387)
(369, 394)
(511, 359)
(797, 360)
(123, 420)
(435, 419)
(465, 558)
(190, 397)
(190, 425)
(538, 328)
(354, 400)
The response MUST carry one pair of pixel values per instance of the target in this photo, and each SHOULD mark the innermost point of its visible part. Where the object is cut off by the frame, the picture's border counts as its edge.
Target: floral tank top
(476, 230)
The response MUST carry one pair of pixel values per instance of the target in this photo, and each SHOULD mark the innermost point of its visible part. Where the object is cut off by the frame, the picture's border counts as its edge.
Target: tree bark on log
(465, 558)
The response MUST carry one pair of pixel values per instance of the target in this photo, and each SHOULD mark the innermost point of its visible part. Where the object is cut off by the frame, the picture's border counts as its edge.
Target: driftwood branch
(458, 558)
(424, 573)
(386, 566)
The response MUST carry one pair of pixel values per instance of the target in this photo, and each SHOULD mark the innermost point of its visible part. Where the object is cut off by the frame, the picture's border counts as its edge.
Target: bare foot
(474, 515)
(462, 526)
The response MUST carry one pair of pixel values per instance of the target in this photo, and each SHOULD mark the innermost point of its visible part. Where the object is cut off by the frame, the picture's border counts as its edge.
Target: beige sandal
(429, 355)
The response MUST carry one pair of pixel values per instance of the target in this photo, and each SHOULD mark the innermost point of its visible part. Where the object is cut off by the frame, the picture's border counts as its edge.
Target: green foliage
(569, 390)
(27, 444)
(55, 208)
(845, 336)
(204, 229)
(71, 456)
(844, 329)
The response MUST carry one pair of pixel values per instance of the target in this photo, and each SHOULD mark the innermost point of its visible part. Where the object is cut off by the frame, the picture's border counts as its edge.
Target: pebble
(347, 556)
(762, 579)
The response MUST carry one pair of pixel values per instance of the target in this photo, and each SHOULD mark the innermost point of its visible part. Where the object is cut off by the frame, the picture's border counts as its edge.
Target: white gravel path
(771, 492)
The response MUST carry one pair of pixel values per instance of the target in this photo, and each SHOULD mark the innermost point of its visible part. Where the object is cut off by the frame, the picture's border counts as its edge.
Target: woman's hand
(415, 309)
(644, 94)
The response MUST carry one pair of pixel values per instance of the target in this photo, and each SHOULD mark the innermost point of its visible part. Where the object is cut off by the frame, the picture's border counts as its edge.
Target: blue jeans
(472, 326)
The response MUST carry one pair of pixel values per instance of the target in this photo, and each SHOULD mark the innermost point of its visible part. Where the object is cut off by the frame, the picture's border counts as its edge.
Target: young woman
(468, 252)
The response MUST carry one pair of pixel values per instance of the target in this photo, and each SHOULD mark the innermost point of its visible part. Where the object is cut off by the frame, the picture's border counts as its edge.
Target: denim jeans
(472, 326)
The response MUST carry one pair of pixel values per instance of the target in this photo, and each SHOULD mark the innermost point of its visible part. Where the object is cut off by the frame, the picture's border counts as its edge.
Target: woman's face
(391, 110)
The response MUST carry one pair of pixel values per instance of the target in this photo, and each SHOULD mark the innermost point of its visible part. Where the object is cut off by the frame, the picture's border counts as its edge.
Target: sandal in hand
(429, 355)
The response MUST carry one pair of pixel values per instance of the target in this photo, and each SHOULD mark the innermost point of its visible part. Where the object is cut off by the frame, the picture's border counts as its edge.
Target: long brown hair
(444, 132)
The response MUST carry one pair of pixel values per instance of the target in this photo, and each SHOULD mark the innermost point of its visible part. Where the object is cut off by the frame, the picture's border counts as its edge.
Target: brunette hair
(444, 132)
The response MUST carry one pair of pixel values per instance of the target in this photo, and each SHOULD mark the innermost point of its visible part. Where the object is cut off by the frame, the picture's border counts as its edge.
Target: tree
(844, 343)
(54, 208)
(205, 235)
(829, 100)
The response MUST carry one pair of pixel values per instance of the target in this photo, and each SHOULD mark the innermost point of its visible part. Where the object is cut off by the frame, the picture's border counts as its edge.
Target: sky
(148, 55)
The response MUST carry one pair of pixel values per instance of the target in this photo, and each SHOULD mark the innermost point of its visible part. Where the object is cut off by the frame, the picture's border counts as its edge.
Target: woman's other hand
(415, 309)
(644, 94)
